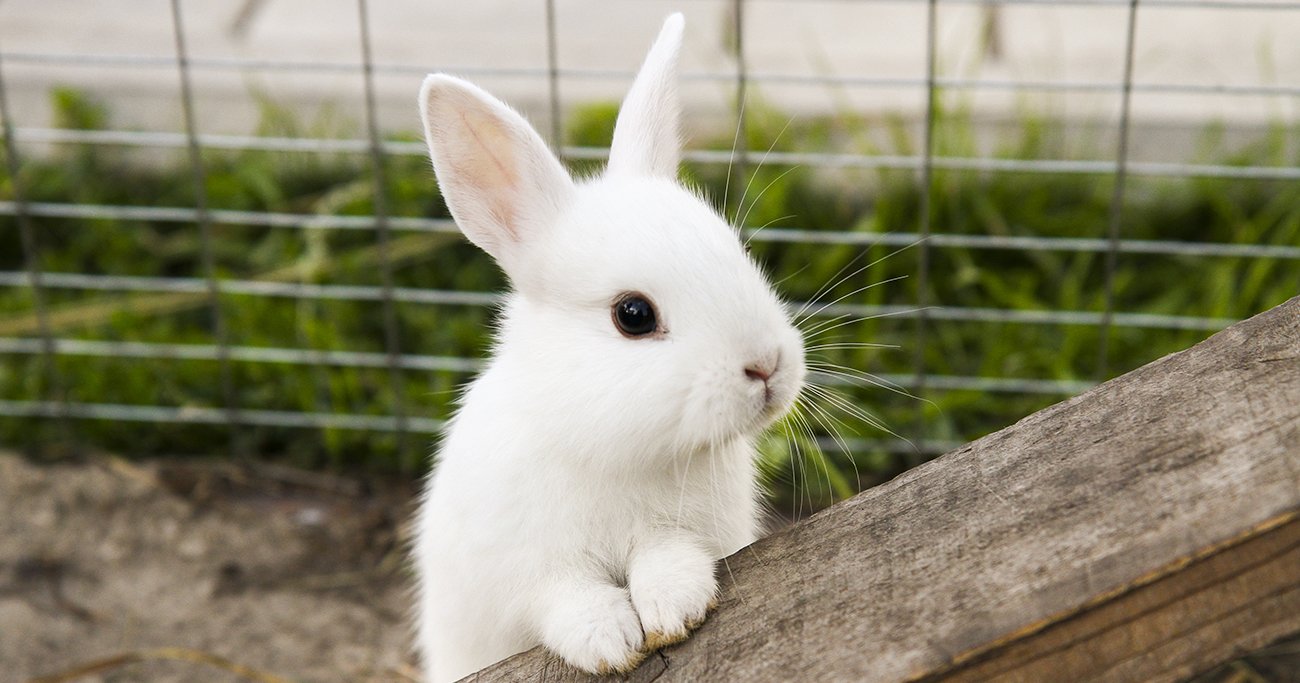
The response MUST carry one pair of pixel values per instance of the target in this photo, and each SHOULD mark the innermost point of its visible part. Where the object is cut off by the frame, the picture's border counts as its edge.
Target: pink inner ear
(501, 182)
(487, 167)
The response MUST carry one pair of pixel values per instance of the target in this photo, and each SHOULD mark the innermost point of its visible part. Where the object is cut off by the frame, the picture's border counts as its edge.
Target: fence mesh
(355, 317)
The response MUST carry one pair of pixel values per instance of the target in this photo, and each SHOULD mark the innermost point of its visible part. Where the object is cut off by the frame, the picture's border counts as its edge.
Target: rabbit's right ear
(646, 136)
(502, 184)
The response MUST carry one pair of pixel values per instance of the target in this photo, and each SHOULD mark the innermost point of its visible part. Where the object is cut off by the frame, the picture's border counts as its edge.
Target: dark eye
(634, 315)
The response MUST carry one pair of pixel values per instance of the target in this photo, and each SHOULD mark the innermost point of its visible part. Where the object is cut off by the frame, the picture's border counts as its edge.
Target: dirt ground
(185, 572)
(113, 571)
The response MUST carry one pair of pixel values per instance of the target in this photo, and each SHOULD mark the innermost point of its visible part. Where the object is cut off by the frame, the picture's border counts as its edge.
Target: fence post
(1114, 228)
(32, 262)
(204, 219)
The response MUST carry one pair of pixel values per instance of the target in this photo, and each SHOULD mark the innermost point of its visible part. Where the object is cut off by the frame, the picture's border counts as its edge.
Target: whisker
(859, 290)
(818, 326)
(740, 117)
(829, 424)
(801, 420)
(850, 345)
(773, 470)
(823, 329)
(776, 469)
(755, 231)
(761, 161)
(860, 319)
(839, 401)
(834, 280)
(890, 255)
(835, 338)
(820, 458)
(740, 225)
(797, 460)
(802, 268)
(869, 378)
(846, 372)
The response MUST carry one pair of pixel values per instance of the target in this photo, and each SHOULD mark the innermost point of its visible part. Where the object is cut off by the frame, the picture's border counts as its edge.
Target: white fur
(646, 137)
(590, 481)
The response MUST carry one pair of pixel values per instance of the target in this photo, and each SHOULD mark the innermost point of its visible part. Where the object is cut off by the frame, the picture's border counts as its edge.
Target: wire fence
(43, 284)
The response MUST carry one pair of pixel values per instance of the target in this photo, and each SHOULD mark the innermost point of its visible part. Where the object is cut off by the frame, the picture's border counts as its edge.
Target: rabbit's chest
(611, 516)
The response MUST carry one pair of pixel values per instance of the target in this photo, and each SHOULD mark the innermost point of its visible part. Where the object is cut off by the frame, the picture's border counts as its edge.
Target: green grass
(975, 203)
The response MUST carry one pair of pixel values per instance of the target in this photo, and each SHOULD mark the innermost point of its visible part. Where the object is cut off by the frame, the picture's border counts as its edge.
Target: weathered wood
(1143, 531)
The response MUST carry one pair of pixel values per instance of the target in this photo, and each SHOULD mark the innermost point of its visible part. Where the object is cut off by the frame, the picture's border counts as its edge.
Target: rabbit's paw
(672, 588)
(594, 628)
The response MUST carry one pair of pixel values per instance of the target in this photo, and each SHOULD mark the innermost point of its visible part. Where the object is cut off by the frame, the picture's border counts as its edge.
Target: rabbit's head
(637, 316)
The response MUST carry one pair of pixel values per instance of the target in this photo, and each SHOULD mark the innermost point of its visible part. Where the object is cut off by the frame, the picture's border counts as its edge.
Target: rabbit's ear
(501, 182)
(646, 137)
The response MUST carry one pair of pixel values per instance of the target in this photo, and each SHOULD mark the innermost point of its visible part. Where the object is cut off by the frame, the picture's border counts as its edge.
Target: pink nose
(757, 372)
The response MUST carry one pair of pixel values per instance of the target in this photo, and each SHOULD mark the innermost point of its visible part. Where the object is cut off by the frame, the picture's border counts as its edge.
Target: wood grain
(1143, 531)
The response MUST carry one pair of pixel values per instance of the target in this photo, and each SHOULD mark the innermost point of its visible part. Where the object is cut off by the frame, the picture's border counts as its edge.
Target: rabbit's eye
(634, 316)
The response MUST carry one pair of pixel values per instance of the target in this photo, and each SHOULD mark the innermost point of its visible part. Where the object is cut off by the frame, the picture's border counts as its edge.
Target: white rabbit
(604, 461)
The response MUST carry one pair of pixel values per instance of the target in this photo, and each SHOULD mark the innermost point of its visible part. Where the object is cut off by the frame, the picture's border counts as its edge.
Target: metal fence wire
(28, 140)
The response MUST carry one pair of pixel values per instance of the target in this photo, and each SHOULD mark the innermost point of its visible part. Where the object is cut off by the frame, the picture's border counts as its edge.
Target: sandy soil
(112, 571)
(290, 574)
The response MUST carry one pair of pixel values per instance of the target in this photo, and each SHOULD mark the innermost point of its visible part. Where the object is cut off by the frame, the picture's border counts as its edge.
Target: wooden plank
(1144, 530)
(1238, 597)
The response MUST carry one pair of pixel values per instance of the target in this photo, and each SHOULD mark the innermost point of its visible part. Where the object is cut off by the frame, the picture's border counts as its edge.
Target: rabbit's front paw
(594, 628)
(672, 588)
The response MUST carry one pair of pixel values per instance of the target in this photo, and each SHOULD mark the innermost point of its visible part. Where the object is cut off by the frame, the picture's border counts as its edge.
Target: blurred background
(220, 236)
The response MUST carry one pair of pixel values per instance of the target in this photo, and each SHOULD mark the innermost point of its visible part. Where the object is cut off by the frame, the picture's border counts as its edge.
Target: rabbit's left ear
(647, 140)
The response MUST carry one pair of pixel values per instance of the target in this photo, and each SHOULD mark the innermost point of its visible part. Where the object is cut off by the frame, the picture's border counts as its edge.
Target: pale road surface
(882, 39)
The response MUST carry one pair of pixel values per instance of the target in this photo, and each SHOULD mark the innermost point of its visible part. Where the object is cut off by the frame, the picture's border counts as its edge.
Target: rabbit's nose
(763, 370)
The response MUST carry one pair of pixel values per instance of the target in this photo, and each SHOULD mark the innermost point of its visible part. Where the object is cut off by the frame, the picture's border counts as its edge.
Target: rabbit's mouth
(777, 398)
